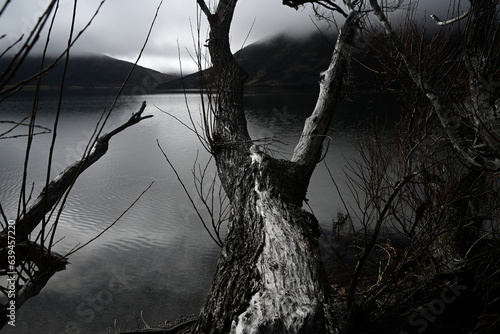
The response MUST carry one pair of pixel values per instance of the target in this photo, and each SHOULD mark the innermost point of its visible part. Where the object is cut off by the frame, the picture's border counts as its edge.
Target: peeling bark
(481, 38)
(287, 299)
(308, 150)
(269, 277)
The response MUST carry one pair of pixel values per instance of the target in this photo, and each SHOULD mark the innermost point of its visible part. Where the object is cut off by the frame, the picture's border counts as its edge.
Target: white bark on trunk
(308, 150)
(269, 278)
(286, 291)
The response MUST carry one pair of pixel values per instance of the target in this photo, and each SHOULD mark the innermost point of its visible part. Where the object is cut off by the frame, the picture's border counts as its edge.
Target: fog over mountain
(121, 26)
(96, 73)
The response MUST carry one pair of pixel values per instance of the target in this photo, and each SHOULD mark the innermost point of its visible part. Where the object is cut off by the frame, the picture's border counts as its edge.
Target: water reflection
(159, 250)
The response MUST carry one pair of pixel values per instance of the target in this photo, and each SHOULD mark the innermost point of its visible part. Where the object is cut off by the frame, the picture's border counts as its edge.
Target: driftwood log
(47, 262)
(55, 190)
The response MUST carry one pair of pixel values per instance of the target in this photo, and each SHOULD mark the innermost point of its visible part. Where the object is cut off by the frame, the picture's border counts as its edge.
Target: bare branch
(308, 150)
(17, 124)
(328, 4)
(449, 121)
(204, 8)
(216, 238)
(113, 223)
(55, 190)
(450, 21)
(13, 66)
(4, 6)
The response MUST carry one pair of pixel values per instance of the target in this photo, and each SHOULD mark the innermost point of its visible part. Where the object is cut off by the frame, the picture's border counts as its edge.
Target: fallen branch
(48, 264)
(57, 187)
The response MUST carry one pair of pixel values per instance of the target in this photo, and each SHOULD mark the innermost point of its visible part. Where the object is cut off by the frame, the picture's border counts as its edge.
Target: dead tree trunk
(51, 195)
(34, 264)
(269, 277)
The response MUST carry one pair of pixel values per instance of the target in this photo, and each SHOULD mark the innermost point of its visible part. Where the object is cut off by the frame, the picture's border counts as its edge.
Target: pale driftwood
(48, 263)
(57, 187)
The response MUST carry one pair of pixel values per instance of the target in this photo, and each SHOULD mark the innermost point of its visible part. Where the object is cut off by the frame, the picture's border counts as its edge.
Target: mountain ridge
(90, 73)
(280, 61)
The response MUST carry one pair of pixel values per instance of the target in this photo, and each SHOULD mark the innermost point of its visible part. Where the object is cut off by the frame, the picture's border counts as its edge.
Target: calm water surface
(157, 260)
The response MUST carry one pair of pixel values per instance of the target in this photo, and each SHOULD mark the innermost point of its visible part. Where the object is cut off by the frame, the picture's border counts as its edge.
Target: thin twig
(112, 224)
(188, 195)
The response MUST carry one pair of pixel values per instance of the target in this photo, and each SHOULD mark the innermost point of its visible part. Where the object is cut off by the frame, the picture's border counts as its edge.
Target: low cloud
(121, 26)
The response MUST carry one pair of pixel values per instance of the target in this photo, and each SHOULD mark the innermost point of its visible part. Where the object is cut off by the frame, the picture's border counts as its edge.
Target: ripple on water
(159, 218)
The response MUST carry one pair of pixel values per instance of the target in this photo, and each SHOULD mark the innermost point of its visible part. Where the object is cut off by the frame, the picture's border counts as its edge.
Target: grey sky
(121, 26)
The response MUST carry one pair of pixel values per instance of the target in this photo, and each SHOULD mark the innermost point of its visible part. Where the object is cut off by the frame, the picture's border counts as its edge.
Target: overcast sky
(121, 26)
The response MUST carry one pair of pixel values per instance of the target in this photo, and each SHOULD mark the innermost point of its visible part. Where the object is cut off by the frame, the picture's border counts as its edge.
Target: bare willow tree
(269, 276)
(428, 191)
(471, 123)
(27, 256)
(435, 180)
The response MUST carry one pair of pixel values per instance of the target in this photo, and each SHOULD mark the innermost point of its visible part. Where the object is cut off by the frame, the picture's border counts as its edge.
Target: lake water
(157, 260)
